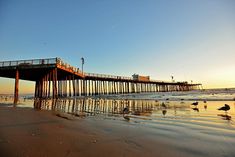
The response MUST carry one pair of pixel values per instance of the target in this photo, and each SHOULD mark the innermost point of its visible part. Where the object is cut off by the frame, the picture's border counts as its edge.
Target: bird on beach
(182, 101)
(195, 108)
(195, 103)
(225, 108)
(126, 111)
(205, 104)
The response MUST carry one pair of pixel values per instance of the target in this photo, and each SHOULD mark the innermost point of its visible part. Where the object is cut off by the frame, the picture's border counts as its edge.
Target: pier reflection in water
(206, 112)
(89, 107)
(140, 109)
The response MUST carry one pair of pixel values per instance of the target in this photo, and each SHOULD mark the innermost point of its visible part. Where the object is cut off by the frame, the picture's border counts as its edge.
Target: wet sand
(39, 133)
(27, 132)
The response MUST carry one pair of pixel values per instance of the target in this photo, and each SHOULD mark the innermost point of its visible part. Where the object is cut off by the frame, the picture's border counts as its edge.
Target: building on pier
(137, 77)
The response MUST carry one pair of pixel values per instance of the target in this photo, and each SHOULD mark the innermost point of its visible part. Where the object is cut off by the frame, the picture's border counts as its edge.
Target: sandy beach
(28, 132)
(40, 133)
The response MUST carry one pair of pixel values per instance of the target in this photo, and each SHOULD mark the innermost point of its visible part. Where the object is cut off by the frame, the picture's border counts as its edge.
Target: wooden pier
(55, 79)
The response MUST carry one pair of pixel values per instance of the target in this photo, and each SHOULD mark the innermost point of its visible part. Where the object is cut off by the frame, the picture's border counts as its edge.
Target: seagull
(182, 101)
(195, 103)
(126, 110)
(226, 107)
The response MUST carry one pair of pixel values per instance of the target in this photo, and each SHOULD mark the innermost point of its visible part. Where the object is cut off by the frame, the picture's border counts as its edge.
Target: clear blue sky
(190, 39)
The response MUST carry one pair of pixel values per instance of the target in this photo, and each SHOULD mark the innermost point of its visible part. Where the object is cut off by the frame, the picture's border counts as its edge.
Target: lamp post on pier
(83, 84)
(82, 59)
(172, 78)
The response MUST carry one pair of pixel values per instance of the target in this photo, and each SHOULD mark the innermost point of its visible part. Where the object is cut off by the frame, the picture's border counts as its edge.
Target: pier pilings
(48, 86)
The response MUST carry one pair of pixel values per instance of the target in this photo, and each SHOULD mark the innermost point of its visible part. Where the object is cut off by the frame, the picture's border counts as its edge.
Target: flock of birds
(225, 108)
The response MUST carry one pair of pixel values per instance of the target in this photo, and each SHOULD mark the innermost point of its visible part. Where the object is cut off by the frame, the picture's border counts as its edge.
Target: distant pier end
(55, 78)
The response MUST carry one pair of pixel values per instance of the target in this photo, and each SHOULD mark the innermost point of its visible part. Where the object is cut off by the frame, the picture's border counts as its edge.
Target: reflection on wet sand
(128, 109)
(195, 109)
(90, 106)
(164, 112)
(225, 116)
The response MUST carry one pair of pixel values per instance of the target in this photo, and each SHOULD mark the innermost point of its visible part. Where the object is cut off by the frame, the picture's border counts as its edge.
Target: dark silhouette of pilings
(16, 93)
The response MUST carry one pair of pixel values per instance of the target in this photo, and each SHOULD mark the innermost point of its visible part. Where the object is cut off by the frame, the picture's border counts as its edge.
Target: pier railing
(48, 61)
(67, 66)
(28, 62)
(108, 76)
(59, 62)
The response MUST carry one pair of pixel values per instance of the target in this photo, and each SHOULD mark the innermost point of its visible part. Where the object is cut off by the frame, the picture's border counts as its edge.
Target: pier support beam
(16, 93)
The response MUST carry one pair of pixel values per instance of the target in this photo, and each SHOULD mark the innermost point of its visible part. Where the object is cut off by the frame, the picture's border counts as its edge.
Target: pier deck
(55, 78)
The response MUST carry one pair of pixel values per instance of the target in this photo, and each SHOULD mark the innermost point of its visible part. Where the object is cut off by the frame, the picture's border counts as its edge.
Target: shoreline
(128, 98)
(211, 95)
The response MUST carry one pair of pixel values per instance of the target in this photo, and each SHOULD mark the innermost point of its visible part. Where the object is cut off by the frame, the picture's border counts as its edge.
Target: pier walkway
(55, 78)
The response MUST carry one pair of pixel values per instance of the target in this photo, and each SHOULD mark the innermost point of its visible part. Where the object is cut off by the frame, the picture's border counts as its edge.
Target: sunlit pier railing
(67, 66)
(161, 81)
(126, 78)
(108, 76)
